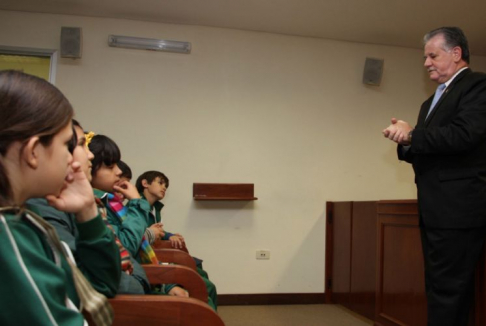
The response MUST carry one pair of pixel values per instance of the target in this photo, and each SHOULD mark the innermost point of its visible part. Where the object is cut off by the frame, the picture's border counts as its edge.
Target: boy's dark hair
(150, 176)
(105, 150)
(126, 171)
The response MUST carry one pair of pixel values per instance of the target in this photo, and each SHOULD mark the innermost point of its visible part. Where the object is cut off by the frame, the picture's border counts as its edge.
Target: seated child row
(49, 171)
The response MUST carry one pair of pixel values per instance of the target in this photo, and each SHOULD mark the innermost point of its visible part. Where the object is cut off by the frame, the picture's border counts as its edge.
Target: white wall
(289, 114)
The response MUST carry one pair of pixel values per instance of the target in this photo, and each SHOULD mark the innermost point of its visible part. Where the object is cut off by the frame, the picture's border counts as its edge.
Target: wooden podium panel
(480, 295)
(363, 259)
(388, 285)
(400, 288)
(341, 252)
(351, 255)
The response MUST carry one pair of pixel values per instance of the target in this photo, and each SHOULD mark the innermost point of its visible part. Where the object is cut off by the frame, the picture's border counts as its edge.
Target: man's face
(441, 64)
(157, 188)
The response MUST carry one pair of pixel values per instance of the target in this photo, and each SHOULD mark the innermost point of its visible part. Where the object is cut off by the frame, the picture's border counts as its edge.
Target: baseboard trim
(270, 299)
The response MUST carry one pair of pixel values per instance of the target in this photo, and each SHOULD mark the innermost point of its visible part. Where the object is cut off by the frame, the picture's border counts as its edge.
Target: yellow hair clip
(88, 137)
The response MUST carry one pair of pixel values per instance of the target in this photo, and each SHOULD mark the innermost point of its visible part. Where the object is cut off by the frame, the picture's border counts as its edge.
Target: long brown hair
(29, 106)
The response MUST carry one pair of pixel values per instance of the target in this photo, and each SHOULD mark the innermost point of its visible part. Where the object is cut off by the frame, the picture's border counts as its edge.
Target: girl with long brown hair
(40, 283)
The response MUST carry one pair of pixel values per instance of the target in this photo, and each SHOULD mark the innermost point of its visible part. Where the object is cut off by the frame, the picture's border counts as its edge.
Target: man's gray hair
(453, 36)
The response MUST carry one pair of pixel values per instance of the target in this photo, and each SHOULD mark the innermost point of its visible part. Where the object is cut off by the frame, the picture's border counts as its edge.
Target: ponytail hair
(29, 106)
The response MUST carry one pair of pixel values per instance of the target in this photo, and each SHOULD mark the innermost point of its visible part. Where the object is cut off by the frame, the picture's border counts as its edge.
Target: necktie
(438, 93)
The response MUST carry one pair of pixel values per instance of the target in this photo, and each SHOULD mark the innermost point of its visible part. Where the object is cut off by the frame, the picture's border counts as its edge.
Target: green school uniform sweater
(34, 287)
(131, 230)
(98, 258)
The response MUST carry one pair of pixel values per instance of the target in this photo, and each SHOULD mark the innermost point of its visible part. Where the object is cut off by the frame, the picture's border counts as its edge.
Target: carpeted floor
(291, 315)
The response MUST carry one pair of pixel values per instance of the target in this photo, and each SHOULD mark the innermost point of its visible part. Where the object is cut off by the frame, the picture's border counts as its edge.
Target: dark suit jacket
(448, 154)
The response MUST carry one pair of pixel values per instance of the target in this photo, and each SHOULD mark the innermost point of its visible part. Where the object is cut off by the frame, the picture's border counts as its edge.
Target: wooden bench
(176, 274)
(150, 310)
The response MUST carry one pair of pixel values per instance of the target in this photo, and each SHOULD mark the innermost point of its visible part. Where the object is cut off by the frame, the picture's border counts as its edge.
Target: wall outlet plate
(263, 254)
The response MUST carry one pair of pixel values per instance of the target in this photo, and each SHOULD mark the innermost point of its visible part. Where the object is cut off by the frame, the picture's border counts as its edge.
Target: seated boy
(154, 191)
(152, 186)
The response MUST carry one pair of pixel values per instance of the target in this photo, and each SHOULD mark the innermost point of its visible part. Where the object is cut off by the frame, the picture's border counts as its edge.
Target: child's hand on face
(76, 196)
(127, 189)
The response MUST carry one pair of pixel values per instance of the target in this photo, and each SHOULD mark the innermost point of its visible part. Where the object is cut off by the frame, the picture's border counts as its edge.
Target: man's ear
(457, 52)
(30, 152)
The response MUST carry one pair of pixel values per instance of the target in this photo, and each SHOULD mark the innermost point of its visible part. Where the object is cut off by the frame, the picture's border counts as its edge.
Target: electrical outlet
(263, 254)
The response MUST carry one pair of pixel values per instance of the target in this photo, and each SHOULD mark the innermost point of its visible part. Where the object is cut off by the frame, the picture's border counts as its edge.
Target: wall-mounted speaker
(71, 42)
(373, 71)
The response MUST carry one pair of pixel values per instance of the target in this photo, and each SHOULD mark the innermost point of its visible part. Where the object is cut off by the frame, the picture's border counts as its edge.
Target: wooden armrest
(165, 244)
(176, 274)
(156, 310)
(175, 256)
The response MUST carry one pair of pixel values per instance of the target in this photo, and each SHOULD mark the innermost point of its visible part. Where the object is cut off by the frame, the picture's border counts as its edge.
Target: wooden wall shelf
(223, 191)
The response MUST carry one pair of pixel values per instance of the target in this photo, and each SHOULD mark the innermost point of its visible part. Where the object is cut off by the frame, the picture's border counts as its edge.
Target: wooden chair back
(175, 256)
(165, 244)
(176, 274)
(150, 310)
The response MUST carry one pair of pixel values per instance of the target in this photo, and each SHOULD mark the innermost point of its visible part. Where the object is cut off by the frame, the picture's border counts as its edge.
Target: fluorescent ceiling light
(148, 44)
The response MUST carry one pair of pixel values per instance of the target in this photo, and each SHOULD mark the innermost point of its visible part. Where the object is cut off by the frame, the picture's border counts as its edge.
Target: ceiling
(388, 22)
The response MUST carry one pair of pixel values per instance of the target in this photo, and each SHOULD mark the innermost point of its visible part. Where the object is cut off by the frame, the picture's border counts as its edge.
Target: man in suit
(447, 149)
